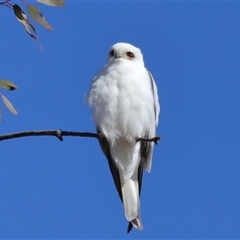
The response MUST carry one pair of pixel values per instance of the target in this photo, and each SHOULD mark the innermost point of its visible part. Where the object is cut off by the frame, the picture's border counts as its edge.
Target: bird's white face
(122, 52)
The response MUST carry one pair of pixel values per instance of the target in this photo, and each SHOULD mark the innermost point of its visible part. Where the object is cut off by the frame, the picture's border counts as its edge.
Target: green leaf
(35, 13)
(8, 104)
(18, 12)
(7, 84)
(53, 3)
(22, 18)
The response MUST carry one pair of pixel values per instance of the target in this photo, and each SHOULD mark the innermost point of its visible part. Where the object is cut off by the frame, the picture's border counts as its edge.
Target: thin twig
(7, 3)
(154, 139)
(59, 134)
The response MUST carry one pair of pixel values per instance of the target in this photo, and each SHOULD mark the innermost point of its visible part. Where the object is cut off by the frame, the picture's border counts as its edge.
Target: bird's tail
(131, 201)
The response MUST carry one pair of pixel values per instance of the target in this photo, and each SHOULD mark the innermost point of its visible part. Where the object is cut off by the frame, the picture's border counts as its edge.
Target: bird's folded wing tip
(137, 223)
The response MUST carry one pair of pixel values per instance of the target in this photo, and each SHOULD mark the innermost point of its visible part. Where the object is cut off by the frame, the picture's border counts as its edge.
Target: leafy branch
(35, 14)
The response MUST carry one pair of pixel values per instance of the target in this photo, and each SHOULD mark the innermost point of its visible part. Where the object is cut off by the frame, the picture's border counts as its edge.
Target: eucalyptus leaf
(53, 3)
(22, 18)
(7, 84)
(8, 104)
(35, 13)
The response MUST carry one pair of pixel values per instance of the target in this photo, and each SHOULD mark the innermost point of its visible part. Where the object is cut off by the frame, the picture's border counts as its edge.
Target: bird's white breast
(122, 101)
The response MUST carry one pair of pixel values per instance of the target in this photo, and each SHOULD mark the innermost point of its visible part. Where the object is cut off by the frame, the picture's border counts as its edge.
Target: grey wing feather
(147, 148)
(155, 97)
(115, 173)
(106, 150)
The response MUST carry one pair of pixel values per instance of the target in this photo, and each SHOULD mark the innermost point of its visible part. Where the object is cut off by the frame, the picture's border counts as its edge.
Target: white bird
(124, 101)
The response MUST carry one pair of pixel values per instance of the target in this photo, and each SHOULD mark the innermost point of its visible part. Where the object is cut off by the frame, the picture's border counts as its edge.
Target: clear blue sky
(53, 189)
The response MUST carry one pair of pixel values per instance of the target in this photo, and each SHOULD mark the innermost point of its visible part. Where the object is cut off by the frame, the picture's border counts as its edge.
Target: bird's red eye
(130, 55)
(111, 53)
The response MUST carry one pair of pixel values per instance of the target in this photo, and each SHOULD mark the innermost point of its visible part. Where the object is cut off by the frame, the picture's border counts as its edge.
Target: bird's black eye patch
(130, 55)
(111, 53)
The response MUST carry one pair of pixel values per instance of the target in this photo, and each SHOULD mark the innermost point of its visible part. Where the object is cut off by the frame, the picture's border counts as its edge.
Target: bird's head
(122, 52)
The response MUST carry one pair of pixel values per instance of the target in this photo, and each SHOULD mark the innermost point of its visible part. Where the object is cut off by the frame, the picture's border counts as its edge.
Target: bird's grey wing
(148, 147)
(115, 173)
(106, 150)
(155, 98)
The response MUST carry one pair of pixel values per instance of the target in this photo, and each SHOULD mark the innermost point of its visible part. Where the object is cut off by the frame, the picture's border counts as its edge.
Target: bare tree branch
(59, 134)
